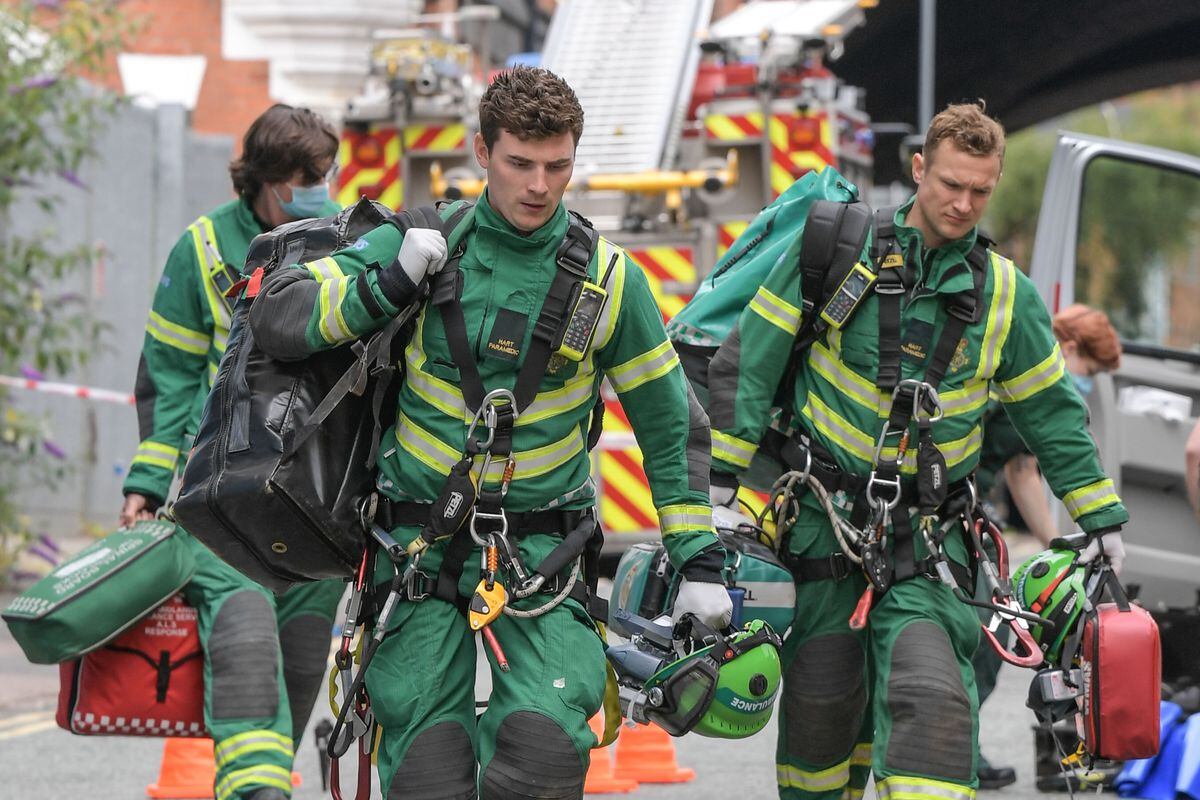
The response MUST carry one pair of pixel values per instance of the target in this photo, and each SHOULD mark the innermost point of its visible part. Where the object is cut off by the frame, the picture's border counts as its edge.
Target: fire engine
(691, 127)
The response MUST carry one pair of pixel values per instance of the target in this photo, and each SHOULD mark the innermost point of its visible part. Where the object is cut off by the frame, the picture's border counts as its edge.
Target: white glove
(708, 601)
(422, 253)
(1113, 547)
(726, 511)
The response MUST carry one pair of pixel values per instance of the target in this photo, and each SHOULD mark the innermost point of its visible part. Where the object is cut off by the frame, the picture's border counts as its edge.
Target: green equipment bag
(92, 597)
(760, 586)
(820, 211)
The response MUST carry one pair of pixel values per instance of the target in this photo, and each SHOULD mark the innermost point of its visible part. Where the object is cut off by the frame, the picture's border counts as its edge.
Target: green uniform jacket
(506, 277)
(1011, 350)
(185, 339)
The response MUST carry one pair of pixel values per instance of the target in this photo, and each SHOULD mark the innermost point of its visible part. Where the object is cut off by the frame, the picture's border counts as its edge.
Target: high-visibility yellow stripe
(614, 285)
(776, 311)
(1036, 379)
(642, 369)
(333, 325)
(261, 775)
(861, 757)
(731, 449)
(907, 787)
(425, 447)
(208, 257)
(575, 392)
(824, 780)
(177, 336)
(972, 396)
(1000, 314)
(324, 269)
(855, 386)
(837, 429)
(250, 741)
(1092, 497)
(539, 461)
(156, 454)
(682, 518)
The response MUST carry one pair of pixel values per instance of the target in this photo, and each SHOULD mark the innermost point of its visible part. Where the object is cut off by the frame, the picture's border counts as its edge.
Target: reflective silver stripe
(999, 316)
(615, 286)
(849, 438)
(538, 461)
(443, 396)
(1089, 498)
(903, 787)
(177, 336)
(324, 269)
(856, 387)
(1035, 379)
(572, 394)
(643, 368)
(834, 777)
(425, 447)
(679, 518)
(331, 320)
(973, 395)
(732, 449)
(775, 310)
(250, 741)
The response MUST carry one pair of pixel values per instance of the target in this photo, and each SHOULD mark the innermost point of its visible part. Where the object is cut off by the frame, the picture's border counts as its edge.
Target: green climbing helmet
(1051, 585)
(726, 690)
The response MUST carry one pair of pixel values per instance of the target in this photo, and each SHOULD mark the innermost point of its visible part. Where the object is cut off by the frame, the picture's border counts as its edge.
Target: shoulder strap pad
(833, 238)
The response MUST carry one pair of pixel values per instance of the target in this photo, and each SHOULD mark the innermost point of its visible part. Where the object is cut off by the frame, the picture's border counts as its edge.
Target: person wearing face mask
(1089, 346)
(265, 657)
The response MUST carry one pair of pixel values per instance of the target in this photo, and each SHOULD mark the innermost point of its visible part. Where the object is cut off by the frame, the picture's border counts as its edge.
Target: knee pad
(825, 697)
(929, 707)
(304, 641)
(439, 765)
(243, 648)
(534, 758)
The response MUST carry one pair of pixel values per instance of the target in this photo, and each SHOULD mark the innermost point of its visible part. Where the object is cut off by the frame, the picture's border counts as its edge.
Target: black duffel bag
(284, 460)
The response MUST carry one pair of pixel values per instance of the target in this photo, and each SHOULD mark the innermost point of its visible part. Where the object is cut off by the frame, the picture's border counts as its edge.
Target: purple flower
(31, 373)
(53, 449)
(36, 82)
(73, 179)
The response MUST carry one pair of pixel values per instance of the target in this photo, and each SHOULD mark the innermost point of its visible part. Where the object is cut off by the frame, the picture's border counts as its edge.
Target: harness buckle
(500, 531)
(487, 414)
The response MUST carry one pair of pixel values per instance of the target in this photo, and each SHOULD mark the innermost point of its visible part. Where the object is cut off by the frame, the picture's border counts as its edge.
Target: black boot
(994, 777)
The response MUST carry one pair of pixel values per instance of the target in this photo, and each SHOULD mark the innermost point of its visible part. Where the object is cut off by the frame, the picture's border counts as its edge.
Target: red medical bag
(1121, 661)
(149, 681)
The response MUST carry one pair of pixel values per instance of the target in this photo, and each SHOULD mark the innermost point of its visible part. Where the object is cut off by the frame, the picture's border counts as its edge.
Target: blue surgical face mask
(1084, 383)
(306, 202)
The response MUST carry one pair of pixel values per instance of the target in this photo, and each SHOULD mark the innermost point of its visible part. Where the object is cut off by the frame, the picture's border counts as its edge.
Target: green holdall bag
(96, 594)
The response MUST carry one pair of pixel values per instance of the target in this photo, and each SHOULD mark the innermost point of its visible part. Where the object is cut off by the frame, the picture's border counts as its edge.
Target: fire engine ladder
(632, 63)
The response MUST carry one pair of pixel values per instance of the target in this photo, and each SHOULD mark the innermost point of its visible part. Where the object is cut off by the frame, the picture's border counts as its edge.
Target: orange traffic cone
(600, 778)
(645, 753)
(188, 771)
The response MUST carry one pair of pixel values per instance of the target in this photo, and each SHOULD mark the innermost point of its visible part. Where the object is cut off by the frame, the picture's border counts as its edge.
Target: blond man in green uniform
(918, 642)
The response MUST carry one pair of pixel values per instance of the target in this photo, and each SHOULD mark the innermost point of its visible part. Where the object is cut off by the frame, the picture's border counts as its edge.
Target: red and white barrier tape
(68, 389)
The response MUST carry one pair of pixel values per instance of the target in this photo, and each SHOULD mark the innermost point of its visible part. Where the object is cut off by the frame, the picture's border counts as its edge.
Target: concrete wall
(152, 176)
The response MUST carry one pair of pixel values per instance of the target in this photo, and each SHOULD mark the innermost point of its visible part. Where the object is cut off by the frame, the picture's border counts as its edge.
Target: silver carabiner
(922, 388)
(487, 415)
(877, 503)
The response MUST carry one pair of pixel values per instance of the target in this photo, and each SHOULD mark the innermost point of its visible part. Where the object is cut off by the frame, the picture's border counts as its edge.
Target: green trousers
(907, 676)
(533, 740)
(246, 706)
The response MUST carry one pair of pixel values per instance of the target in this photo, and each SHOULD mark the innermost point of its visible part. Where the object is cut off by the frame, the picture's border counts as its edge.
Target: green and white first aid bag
(105, 588)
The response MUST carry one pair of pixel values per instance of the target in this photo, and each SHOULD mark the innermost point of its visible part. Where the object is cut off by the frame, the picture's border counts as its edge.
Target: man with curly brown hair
(494, 414)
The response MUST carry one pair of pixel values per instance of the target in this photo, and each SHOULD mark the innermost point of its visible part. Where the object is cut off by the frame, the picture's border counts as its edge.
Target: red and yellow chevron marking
(380, 180)
(625, 502)
(667, 264)
(727, 234)
(435, 138)
(733, 127)
(789, 158)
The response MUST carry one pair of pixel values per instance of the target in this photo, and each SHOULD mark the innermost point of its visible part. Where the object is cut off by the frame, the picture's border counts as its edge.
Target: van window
(1138, 253)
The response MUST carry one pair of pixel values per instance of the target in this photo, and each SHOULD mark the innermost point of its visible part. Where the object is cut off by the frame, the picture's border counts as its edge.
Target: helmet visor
(687, 694)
